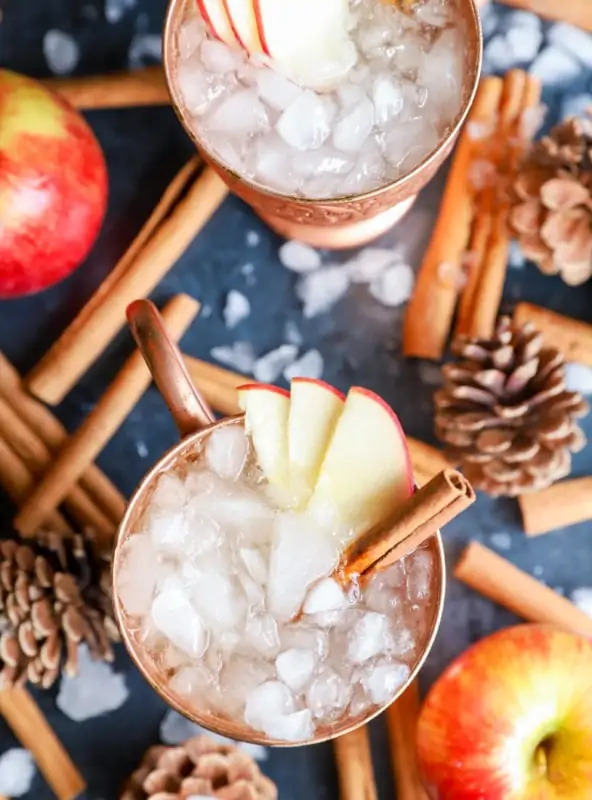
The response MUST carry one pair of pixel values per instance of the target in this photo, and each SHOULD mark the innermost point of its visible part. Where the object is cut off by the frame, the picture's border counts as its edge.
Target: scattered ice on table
(497, 56)
(96, 690)
(572, 40)
(239, 356)
(430, 374)
(578, 378)
(299, 257)
(555, 68)
(175, 729)
(516, 259)
(292, 333)
(306, 123)
(17, 770)
(226, 451)
(270, 366)
(295, 668)
(310, 365)
(145, 49)
(382, 681)
(61, 52)
(115, 9)
(517, 18)
(236, 309)
(582, 598)
(369, 637)
(538, 571)
(142, 449)
(370, 262)
(326, 595)
(576, 105)
(253, 238)
(489, 19)
(394, 286)
(501, 540)
(524, 43)
(321, 290)
(137, 555)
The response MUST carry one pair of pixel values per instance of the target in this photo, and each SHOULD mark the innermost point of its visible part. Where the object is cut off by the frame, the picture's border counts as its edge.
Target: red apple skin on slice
(511, 719)
(260, 27)
(366, 473)
(241, 14)
(216, 18)
(267, 410)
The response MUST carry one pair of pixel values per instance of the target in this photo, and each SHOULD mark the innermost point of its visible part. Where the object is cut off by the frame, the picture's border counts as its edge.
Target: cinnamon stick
(48, 430)
(100, 425)
(354, 765)
(572, 337)
(503, 583)
(575, 12)
(218, 386)
(32, 730)
(429, 314)
(401, 722)
(140, 87)
(84, 341)
(426, 512)
(563, 504)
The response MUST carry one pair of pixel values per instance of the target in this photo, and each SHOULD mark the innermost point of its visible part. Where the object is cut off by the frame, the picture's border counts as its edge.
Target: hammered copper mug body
(195, 422)
(345, 221)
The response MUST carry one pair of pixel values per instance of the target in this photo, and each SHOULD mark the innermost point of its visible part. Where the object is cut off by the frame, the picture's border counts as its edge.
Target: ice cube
(302, 637)
(295, 668)
(328, 696)
(239, 356)
(370, 262)
(218, 57)
(419, 573)
(408, 143)
(253, 591)
(498, 55)
(236, 309)
(379, 596)
(352, 130)
(381, 681)
(555, 68)
(96, 689)
(218, 601)
(310, 365)
(266, 702)
(261, 635)
(196, 90)
(402, 641)
(190, 36)
(226, 451)
(368, 172)
(271, 365)
(136, 575)
(239, 113)
(296, 727)
(273, 164)
(572, 40)
(387, 96)
(582, 598)
(299, 257)
(306, 123)
(320, 290)
(394, 286)
(169, 493)
(576, 105)
(326, 595)
(300, 556)
(204, 534)
(240, 676)
(369, 637)
(524, 43)
(255, 564)
(174, 616)
(350, 95)
(190, 681)
(358, 705)
(276, 90)
(578, 378)
(323, 164)
(169, 531)
(17, 771)
(61, 52)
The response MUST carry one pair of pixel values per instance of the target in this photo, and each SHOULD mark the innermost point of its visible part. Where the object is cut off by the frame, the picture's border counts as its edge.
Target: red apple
(511, 719)
(53, 187)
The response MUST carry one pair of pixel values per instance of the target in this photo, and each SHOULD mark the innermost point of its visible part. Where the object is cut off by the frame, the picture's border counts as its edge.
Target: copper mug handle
(163, 358)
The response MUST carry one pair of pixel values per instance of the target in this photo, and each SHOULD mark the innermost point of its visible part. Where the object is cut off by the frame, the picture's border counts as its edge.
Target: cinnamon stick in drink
(503, 583)
(429, 314)
(84, 341)
(100, 425)
(48, 430)
(572, 337)
(575, 12)
(426, 511)
(563, 504)
(354, 765)
(401, 721)
(140, 87)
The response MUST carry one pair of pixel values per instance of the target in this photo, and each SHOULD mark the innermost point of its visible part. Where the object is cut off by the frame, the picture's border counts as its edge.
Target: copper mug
(195, 422)
(345, 221)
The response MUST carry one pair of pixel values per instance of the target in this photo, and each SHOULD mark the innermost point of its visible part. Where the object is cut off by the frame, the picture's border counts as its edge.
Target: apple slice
(315, 408)
(267, 409)
(241, 14)
(366, 472)
(215, 15)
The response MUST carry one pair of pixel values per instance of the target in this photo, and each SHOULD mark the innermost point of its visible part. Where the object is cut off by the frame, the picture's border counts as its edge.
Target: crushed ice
(501, 540)
(582, 598)
(61, 52)
(270, 366)
(239, 356)
(96, 690)
(236, 309)
(115, 10)
(144, 49)
(309, 365)
(17, 770)
(176, 729)
(578, 378)
(299, 257)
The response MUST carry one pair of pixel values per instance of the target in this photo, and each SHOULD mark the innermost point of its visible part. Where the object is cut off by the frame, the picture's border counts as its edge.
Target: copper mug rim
(475, 39)
(193, 412)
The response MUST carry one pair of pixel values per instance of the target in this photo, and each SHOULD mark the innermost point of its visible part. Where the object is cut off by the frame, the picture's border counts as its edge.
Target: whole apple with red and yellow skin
(53, 187)
(511, 719)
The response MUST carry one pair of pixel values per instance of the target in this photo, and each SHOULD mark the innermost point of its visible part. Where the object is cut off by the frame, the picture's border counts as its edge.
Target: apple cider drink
(320, 98)
(226, 580)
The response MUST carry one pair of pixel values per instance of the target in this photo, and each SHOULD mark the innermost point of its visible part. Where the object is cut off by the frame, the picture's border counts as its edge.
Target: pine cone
(504, 412)
(552, 203)
(54, 594)
(198, 768)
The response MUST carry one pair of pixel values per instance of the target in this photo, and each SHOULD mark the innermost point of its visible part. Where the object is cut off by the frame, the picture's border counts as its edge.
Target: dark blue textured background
(359, 341)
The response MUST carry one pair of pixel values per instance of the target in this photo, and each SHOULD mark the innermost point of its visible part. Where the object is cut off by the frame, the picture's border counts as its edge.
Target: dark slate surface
(359, 340)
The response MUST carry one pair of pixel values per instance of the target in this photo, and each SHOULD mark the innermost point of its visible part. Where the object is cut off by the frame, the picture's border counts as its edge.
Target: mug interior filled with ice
(225, 578)
(320, 100)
